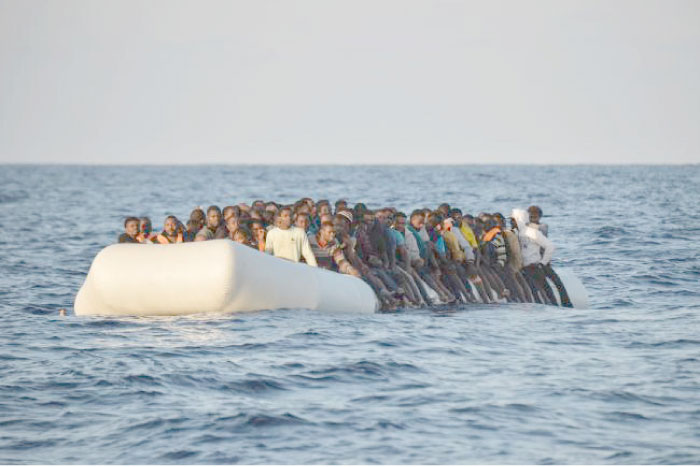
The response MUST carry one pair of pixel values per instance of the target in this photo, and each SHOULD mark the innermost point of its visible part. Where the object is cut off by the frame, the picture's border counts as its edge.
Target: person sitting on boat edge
(172, 232)
(208, 232)
(329, 255)
(535, 213)
(287, 242)
(131, 231)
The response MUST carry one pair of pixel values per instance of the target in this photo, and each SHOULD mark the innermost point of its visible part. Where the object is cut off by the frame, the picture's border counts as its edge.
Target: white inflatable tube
(574, 288)
(217, 276)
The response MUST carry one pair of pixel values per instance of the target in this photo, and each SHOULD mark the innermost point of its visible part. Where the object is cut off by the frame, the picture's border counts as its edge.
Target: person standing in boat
(531, 241)
(285, 241)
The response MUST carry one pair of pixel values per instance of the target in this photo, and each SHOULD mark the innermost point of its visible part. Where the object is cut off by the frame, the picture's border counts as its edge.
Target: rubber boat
(221, 276)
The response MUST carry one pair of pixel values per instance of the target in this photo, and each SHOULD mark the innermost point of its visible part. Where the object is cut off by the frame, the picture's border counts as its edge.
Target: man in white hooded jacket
(531, 243)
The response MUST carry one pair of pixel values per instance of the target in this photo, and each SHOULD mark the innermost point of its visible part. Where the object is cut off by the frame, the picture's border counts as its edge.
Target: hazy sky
(352, 81)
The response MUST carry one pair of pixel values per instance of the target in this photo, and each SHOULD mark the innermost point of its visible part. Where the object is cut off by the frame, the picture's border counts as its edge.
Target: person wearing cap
(342, 223)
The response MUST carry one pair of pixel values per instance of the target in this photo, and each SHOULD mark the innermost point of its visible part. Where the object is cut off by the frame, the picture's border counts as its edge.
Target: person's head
(513, 223)
(193, 226)
(499, 219)
(268, 217)
(417, 219)
(400, 221)
(456, 215)
(233, 223)
(259, 204)
(309, 203)
(256, 227)
(340, 205)
(535, 214)
(213, 217)
(469, 219)
(434, 220)
(242, 236)
(145, 225)
(382, 216)
(302, 209)
(283, 220)
(327, 232)
(229, 211)
(326, 218)
(198, 216)
(272, 207)
(444, 209)
(131, 226)
(301, 220)
(323, 207)
(342, 221)
(368, 217)
(170, 225)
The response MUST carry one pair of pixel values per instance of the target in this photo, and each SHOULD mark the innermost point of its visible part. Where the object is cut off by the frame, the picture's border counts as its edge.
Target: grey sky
(350, 81)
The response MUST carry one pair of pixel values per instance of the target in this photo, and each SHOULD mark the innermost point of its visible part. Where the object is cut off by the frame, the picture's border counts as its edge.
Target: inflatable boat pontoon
(221, 276)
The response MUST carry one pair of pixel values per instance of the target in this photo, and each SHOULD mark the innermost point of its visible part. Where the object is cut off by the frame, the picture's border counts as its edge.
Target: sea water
(616, 383)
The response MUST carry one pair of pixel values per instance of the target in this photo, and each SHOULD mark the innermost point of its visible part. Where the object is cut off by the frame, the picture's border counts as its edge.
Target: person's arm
(355, 261)
(403, 254)
(548, 246)
(306, 251)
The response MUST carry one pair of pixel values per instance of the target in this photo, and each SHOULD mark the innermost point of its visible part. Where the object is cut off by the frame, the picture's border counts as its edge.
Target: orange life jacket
(165, 240)
(488, 236)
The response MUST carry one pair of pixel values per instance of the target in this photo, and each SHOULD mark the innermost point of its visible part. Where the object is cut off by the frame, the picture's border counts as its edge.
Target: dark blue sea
(618, 383)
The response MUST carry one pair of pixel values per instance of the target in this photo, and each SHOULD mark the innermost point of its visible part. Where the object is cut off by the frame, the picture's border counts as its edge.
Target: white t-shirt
(290, 244)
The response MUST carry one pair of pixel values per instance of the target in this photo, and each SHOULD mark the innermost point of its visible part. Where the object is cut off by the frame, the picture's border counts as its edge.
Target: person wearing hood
(531, 241)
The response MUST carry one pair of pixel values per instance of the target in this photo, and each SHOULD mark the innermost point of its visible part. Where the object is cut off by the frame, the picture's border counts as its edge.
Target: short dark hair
(131, 219)
(536, 209)
(399, 214)
(417, 212)
(244, 230)
(213, 207)
(197, 214)
(454, 211)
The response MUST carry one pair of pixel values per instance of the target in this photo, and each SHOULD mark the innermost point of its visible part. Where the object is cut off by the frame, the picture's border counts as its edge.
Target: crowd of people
(417, 259)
